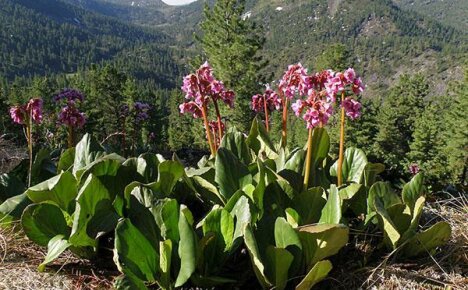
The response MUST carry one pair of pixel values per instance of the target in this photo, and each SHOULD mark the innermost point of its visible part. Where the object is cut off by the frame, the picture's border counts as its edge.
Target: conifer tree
(231, 43)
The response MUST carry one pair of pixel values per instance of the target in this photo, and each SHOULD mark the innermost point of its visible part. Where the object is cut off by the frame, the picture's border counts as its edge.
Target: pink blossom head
(34, 107)
(71, 116)
(228, 98)
(318, 114)
(273, 100)
(357, 86)
(205, 73)
(192, 108)
(352, 108)
(257, 103)
(18, 114)
(295, 80)
(414, 168)
(190, 86)
(350, 75)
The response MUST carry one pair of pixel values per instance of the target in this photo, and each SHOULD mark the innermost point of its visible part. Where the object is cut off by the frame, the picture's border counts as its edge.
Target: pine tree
(231, 43)
(396, 121)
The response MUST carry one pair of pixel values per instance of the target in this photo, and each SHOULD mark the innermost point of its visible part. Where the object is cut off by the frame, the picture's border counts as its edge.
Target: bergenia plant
(70, 116)
(267, 103)
(201, 88)
(27, 115)
(295, 81)
(346, 85)
(315, 110)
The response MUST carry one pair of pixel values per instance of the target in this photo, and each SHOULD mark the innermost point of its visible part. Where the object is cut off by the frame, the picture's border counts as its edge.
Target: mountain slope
(50, 36)
(450, 12)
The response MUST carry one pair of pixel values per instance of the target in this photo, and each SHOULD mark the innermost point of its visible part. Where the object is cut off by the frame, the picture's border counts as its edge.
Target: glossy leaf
(354, 164)
(56, 246)
(278, 261)
(259, 141)
(86, 152)
(94, 213)
(134, 254)
(42, 222)
(309, 205)
(187, 248)
(425, 241)
(66, 160)
(315, 275)
(285, 235)
(235, 142)
(331, 213)
(413, 190)
(60, 190)
(322, 241)
(231, 175)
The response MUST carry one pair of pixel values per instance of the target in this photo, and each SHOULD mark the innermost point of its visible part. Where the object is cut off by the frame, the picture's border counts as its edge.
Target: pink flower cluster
(414, 168)
(71, 116)
(202, 87)
(295, 80)
(273, 101)
(315, 111)
(33, 109)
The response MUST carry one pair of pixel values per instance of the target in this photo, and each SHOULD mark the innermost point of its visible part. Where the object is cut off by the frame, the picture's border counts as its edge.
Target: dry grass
(19, 259)
(366, 267)
(360, 266)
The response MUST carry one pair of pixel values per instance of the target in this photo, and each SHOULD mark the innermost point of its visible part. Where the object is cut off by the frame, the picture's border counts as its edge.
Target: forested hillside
(49, 36)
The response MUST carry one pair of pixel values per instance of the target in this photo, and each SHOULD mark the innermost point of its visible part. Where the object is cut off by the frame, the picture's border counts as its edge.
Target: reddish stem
(267, 121)
(220, 125)
(285, 123)
(308, 160)
(342, 140)
(208, 131)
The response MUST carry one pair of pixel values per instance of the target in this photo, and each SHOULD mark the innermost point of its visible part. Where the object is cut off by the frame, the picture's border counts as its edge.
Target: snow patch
(279, 8)
(247, 15)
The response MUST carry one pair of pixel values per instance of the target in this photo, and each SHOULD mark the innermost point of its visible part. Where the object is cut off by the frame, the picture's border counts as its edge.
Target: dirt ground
(359, 266)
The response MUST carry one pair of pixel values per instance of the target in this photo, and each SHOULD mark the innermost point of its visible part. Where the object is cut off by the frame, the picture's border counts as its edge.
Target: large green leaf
(413, 190)
(235, 142)
(259, 141)
(10, 186)
(86, 152)
(166, 214)
(61, 190)
(320, 149)
(107, 165)
(391, 234)
(134, 253)
(42, 168)
(165, 261)
(435, 236)
(354, 164)
(322, 241)
(129, 282)
(187, 247)
(371, 171)
(231, 175)
(13, 208)
(42, 222)
(415, 214)
(220, 222)
(384, 191)
(94, 214)
(243, 215)
(309, 205)
(285, 235)
(278, 261)
(169, 173)
(66, 160)
(56, 246)
(315, 275)
(252, 247)
(331, 212)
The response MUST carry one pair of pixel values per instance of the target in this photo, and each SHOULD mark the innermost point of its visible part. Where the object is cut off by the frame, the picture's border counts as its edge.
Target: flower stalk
(208, 131)
(342, 140)
(308, 160)
(284, 131)
(267, 121)
(30, 149)
(218, 119)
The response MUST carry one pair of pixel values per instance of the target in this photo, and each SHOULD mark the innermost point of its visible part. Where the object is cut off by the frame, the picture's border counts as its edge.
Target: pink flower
(352, 108)
(34, 107)
(350, 75)
(357, 86)
(191, 107)
(71, 116)
(295, 80)
(413, 168)
(202, 86)
(18, 114)
(228, 98)
(316, 111)
(273, 101)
